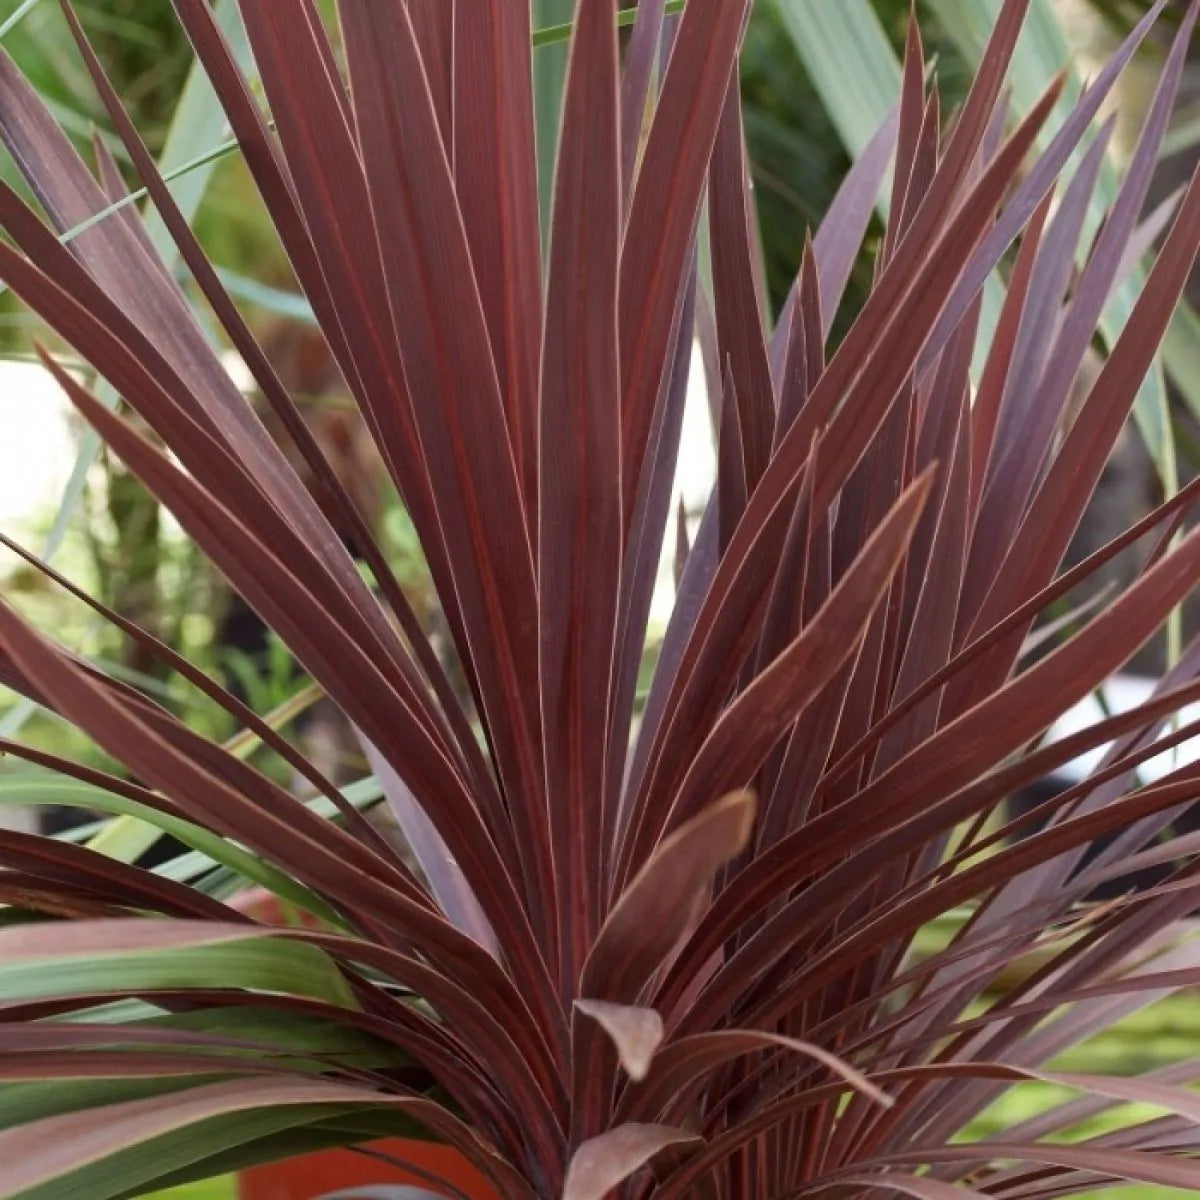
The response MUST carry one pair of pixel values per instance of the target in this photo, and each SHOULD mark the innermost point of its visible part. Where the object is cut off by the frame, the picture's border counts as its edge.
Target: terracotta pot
(313, 1175)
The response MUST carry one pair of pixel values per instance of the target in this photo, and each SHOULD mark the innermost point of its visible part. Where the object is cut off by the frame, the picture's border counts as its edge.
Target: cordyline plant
(662, 950)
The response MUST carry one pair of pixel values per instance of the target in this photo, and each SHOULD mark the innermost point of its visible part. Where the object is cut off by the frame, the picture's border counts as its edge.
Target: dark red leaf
(580, 533)
(495, 178)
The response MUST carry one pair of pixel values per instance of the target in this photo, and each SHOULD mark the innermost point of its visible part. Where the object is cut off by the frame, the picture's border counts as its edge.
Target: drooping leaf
(636, 1032)
(610, 1158)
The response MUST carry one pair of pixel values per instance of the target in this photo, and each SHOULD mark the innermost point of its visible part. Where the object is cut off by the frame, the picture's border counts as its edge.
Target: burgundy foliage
(649, 946)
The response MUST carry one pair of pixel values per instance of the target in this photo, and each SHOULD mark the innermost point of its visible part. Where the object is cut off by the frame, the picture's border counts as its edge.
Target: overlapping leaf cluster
(667, 948)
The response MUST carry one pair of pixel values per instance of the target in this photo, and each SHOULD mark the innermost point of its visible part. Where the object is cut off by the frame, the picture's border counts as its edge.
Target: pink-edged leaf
(1046, 393)
(643, 549)
(635, 84)
(660, 903)
(485, 1022)
(1026, 428)
(935, 579)
(303, 233)
(954, 177)
(680, 1064)
(927, 149)
(916, 910)
(580, 530)
(804, 359)
(1037, 548)
(245, 716)
(1034, 186)
(330, 234)
(1137, 746)
(1146, 236)
(70, 195)
(444, 876)
(122, 273)
(225, 538)
(440, 325)
(272, 822)
(282, 405)
(88, 318)
(608, 1159)
(1091, 293)
(1082, 1108)
(495, 178)
(993, 383)
(741, 584)
(113, 181)
(1100, 273)
(798, 662)
(840, 235)
(1106, 787)
(854, 424)
(287, 831)
(980, 118)
(635, 1032)
(733, 482)
(325, 222)
(1020, 617)
(907, 187)
(873, 487)
(951, 759)
(742, 352)
(893, 342)
(774, 1114)
(433, 24)
(663, 212)
(785, 614)
(801, 588)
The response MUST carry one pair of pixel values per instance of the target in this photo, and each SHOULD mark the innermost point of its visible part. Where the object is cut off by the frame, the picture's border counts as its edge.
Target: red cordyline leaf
(495, 174)
(668, 948)
(579, 498)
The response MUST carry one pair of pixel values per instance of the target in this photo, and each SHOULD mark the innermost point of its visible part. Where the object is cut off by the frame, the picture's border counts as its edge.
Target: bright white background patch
(37, 447)
(1122, 693)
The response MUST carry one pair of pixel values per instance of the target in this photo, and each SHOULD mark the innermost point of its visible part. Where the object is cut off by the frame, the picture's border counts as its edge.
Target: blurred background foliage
(798, 157)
